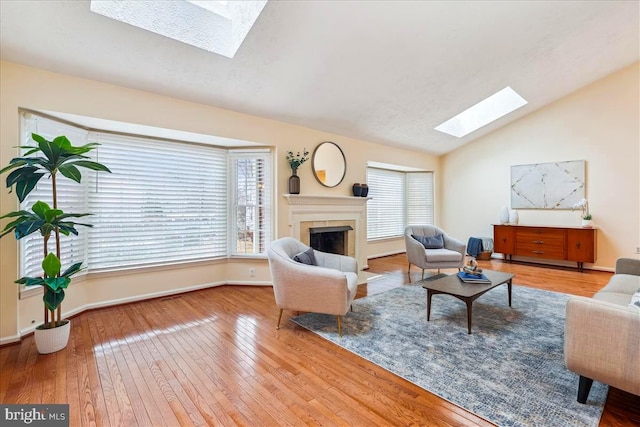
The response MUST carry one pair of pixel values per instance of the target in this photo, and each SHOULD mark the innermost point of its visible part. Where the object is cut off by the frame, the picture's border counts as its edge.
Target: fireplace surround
(307, 212)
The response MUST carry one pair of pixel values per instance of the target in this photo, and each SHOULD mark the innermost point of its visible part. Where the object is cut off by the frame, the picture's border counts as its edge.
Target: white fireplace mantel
(331, 208)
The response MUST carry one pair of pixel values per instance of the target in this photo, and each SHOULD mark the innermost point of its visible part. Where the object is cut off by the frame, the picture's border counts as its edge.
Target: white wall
(600, 124)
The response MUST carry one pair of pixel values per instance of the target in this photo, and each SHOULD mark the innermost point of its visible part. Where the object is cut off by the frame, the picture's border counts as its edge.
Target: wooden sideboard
(546, 242)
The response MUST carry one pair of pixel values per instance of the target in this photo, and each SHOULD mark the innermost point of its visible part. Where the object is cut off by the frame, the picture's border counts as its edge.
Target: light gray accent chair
(451, 256)
(328, 287)
(602, 334)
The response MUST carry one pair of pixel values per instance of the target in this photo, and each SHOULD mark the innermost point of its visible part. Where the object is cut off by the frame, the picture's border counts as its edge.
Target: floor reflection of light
(245, 337)
(108, 345)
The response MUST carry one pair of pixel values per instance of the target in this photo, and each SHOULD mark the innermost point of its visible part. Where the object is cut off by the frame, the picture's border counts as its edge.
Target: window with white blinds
(398, 199)
(385, 210)
(163, 202)
(419, 198)
(251, 223)
(71, 199)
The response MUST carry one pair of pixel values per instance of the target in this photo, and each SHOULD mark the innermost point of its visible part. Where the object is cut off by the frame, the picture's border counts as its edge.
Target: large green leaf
(20, 174)
(51, 265)
(25, 186)
(56, 284)
(30, 281)
(13, 165)
(15, 213)
(28, 227)
(52, 215)
(72, 270)
(91, 165)
(53, 299)
(49, 149)
(71, 172)
(40, 208)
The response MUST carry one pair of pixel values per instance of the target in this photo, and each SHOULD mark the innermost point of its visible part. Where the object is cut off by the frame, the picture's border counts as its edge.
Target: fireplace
(330, 239)
(306, 212)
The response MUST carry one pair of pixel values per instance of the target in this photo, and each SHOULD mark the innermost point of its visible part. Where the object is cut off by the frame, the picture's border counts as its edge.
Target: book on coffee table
(473, 278)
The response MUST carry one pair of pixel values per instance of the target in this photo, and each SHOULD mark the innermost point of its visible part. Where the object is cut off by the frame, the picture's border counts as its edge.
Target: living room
(597, 123)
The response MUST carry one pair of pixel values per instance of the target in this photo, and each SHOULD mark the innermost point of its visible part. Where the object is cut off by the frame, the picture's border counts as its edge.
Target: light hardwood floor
(213, 357)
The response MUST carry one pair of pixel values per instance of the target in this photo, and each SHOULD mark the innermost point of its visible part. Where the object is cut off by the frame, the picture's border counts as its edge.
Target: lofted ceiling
(382, 71)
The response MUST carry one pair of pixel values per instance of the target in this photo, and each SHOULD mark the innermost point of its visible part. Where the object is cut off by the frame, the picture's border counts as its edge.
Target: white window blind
(419, 198)
(251, 191)
(163, 202)
(386, 209)
(71, 199)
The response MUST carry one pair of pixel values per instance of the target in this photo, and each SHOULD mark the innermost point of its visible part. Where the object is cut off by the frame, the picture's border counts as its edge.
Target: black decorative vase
(294, 182)
(364, 190)
(357, 190)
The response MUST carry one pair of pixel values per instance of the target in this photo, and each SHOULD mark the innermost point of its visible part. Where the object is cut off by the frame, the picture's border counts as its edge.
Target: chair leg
(584, 386)
(409, 269)
(279, 318)
(438, 271)
(422, 274)
(339, 326)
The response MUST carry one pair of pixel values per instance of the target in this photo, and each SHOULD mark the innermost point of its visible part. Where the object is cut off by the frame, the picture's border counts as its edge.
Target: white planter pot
(587, 223)
(52, 340)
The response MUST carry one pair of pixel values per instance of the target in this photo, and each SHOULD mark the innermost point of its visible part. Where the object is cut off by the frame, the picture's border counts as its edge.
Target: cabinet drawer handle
(578, 245)
(538, 252)
(538, 242)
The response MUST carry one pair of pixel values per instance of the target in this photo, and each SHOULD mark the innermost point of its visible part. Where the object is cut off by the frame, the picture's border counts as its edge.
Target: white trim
(396, 252)
(11, 339)
(153, 295)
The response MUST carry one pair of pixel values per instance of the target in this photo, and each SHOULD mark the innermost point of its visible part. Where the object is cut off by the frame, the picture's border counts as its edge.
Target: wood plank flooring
(214, 357)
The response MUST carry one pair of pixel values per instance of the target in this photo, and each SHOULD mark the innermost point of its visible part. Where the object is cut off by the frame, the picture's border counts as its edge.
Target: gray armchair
(451, 255)
(328, 287)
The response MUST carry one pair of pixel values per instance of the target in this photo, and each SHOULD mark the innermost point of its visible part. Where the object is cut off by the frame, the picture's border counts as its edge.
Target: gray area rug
(509, 371)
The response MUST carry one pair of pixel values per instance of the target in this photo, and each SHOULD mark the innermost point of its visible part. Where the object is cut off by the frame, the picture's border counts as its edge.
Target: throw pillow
(306, 257)
(431, 242)
(635, 300)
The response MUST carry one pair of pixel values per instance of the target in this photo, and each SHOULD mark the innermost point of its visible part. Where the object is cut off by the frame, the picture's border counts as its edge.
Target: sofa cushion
(306, 257)
(623, 283)
(431, 242)
(635, 300)
(617, 298)
(443, 255)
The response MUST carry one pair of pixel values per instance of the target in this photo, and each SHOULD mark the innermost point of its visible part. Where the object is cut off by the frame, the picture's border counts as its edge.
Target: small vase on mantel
(504, 215)
(294, 182)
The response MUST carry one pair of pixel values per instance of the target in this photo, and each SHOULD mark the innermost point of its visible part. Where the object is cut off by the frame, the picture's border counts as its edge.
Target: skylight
(484, 112)
(216, 26)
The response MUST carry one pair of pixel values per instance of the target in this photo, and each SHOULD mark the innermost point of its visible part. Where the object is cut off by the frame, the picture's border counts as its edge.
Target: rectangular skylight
(217, 26)
(484, 112)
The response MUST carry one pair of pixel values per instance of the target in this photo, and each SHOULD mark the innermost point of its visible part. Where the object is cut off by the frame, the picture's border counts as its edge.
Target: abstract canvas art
(556, 185)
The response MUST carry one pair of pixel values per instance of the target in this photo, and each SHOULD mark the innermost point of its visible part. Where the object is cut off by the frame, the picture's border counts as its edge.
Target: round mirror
(328, 163)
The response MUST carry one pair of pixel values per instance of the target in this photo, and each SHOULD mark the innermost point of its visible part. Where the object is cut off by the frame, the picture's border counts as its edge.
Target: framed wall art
(556, 185)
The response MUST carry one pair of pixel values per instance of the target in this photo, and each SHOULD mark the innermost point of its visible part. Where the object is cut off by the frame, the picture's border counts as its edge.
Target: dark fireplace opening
(330, 239)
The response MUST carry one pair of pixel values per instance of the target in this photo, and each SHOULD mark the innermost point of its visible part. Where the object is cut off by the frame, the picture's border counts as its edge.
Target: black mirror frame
(313, 165)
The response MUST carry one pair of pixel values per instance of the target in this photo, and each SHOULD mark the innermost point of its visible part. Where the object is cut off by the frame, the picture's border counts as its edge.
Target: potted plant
(47, 158)
(295, 161)
(586, 216)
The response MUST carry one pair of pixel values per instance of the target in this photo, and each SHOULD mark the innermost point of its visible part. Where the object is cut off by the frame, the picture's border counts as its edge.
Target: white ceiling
(383, 71)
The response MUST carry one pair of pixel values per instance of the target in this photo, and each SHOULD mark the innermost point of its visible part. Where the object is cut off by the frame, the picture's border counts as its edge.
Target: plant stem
(57, 231)
(46, 312)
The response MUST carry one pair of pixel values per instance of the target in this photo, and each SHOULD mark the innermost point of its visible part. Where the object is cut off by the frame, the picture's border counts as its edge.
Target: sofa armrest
(602, 342)
(628, 266)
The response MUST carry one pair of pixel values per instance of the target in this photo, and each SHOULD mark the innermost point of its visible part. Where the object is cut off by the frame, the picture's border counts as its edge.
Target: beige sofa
(602, 334)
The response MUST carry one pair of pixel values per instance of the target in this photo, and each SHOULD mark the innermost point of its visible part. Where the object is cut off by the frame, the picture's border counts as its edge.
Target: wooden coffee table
(467, 292)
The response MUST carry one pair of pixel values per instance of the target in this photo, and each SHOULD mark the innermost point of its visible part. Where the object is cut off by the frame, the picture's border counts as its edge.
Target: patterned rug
(509, 371)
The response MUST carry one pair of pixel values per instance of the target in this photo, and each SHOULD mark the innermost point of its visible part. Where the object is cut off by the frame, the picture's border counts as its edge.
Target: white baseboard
(399, 251)
(136, 298)
(10, 340)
